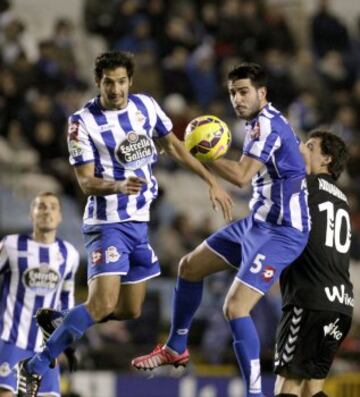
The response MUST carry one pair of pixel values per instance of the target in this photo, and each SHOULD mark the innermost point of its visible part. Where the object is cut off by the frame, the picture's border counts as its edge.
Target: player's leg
(102, 298)
(313, 388)
(5, 392)
(239, 301)
(187, 298)
(219, 251)
(143, 266)
(307, 342)
(193, 268)
(267, 250)
(130, 301)
(288, 387)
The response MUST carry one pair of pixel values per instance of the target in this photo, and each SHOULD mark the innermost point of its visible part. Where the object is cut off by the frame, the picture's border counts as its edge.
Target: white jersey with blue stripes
(35, 275)
(121, 144)
(279, 188)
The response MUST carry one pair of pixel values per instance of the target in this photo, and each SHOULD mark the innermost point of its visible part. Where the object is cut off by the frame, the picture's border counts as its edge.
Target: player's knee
(232, 309)
(187, 270)
(229, 310)
(101, 308)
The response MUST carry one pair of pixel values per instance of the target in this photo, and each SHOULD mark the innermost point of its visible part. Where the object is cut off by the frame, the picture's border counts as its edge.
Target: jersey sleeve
(163, 124)
(67, 298)
(263, 141)
(3, 255)
(79, 142)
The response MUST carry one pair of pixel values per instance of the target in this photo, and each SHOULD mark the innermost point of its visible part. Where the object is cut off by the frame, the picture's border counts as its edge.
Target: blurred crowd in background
(183, 50)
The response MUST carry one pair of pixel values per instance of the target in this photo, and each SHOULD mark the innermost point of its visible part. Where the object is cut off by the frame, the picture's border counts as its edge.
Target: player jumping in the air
(261, 245)
(112, 148)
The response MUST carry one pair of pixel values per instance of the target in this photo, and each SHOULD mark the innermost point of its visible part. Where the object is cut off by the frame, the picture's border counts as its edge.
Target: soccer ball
(207, 138)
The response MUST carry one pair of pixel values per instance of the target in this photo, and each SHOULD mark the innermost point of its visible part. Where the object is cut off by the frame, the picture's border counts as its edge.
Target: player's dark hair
(334, 146)
(113, 60)
(44, 194)
(251, 71)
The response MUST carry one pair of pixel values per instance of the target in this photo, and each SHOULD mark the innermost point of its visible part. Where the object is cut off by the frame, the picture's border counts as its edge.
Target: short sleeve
(163, 124)
(79, 142)
(263, 141)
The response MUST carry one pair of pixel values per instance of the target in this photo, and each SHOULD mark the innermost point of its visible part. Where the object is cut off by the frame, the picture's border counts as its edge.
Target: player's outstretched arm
(239, 173)
(218, 196)
(92, 185)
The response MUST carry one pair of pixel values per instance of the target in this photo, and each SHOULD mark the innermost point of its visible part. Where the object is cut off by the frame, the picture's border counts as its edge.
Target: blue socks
(187, 298)
(247, 349)
(75, 323)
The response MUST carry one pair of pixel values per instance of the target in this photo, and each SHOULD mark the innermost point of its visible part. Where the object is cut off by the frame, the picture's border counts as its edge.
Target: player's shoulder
(10, 240)
(142, 98)
(272, 119)
(85, 111)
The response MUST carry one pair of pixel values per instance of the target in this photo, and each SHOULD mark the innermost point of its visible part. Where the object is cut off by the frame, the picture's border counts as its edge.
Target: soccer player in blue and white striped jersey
(261, 245)
(38, 271)
(112, 148)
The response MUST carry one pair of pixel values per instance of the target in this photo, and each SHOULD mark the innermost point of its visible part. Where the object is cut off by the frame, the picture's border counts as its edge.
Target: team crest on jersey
(255, 131)
(5, 369)
(135, 151)
(268, 273)
(96, 257)
(140, 117)
(112, 254)
(41, 280)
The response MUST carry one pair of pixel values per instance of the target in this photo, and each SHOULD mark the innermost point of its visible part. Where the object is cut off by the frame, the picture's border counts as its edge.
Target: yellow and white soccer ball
(207, 138)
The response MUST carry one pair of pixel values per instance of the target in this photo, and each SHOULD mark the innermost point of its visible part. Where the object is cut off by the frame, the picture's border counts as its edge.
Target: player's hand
(220, 198)
(131, 185)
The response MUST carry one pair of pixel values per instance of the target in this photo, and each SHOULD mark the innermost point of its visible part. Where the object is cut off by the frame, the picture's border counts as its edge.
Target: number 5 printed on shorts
(258, 263)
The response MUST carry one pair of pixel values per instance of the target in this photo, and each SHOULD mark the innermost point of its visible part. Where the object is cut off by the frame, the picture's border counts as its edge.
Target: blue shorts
(121, 249)
(10, 355)
(260, 250)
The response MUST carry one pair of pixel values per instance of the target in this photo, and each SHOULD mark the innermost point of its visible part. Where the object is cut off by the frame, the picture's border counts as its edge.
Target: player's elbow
(85, 186)
(242, 180)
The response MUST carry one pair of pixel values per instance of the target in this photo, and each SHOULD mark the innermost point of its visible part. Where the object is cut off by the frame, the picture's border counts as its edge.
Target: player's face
(246, 99)
(46, 213)
(318, 160)
(114, 88)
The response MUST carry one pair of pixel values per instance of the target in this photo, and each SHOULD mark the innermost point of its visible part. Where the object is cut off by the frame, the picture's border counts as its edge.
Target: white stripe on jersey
(264, 210)
(295, 211)
(25, 288)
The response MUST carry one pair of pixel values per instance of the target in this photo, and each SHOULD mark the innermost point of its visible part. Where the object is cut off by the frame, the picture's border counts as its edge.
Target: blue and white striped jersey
(279, 188)
(121, 144)
(35, 275)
